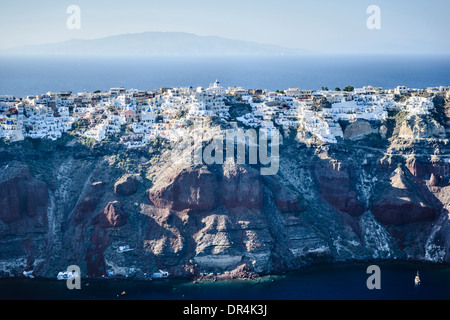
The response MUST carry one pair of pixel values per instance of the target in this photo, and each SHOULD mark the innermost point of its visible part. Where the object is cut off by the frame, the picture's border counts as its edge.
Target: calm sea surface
(325, 282)
(20, 76)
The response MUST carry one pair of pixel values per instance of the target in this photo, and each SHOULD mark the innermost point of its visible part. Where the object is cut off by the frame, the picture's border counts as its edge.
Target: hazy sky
(327, 26)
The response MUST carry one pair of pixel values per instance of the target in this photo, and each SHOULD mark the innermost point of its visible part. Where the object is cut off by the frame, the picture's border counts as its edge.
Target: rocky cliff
(377, 194)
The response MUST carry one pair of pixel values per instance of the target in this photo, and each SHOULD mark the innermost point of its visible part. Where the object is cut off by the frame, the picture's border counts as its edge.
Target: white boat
(417, 279)
(67, 275)
(160, 274)
(124, 248)
(28, 274)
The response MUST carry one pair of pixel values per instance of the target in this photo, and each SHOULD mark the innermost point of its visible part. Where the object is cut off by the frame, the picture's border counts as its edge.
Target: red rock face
(402, 202)
(434, 181)
(200, 189)
(353, 206)
(164, 237)
(87, 205)
(395, 212)
(413, 167)
(286, 200)
(241, 187)
(194, 189)
(99, 241)
(334, 187)
(112, 216)
(125, 187)
(21, 195)
(85, 208)
(9, 201)
(23, 213)
(419, 169)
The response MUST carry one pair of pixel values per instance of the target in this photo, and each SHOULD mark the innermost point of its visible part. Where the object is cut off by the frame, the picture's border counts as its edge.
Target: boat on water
(67, 275)
(417, 279)
(160, 275)
(125, 248)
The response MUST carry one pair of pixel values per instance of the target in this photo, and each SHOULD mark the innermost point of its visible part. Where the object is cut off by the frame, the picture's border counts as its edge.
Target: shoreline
(344, 281)
(250, 276)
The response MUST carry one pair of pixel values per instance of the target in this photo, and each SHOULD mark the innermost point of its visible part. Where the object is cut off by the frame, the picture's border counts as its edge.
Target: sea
(22, 76)
(326, 282)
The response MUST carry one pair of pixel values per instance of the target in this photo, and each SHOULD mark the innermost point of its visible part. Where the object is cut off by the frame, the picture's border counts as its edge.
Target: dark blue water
(326, 282)
(21, 76)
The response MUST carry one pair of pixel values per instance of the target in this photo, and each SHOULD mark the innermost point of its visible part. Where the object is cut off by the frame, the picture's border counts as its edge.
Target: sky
(322, 26)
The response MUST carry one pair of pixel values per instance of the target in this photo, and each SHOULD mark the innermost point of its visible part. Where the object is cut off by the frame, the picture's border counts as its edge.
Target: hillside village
(137, 117)
(118, 210)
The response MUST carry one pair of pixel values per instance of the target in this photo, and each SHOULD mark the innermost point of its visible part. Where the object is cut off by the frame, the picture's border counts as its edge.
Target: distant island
(155, 44)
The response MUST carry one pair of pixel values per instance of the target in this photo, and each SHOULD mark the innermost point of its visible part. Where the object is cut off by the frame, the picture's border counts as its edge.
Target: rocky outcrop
(95, 261)
(327, 203)
(20, 194)
(319, 103)
(111, 217)
(165, 236)
(397, 211)
(358, 130)
(441, 110)
(87, 205)
(23, 218)
(125, 186)
(240, 186)
(242, 227)
(286, 200)
(202, 189)
(193, 189)
(229, 237)
(424, 168)
(434, 181)
(438, 245)
(421, 127)
(334, 186)
(402, 203)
